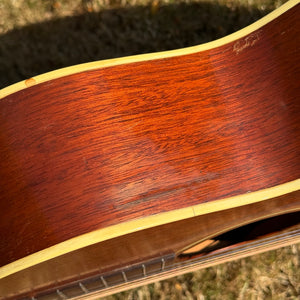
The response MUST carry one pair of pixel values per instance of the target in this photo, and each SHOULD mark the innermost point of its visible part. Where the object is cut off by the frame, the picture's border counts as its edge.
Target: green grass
(39, 36)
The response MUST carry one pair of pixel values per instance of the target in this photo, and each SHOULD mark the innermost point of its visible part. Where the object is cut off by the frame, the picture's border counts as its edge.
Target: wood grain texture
(106, 146)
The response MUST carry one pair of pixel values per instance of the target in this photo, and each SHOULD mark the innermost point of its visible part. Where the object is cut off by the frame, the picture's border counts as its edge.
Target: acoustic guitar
(118, 173)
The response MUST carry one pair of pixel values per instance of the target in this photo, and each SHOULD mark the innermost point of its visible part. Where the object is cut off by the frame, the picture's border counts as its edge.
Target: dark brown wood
(102, 147)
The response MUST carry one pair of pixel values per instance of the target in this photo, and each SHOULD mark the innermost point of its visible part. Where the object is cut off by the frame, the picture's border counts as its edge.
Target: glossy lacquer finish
(97, 148)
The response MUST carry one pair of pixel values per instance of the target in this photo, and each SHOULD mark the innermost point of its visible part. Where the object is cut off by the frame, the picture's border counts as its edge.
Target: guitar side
(97, 154)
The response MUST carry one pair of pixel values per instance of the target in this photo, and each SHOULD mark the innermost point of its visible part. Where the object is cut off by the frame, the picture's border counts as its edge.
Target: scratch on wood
(246, 42)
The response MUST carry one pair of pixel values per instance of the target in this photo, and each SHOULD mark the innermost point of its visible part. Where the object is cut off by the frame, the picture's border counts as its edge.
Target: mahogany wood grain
(102, 147)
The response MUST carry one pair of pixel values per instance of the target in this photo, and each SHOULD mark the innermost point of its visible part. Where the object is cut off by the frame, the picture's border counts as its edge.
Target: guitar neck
(166, 267)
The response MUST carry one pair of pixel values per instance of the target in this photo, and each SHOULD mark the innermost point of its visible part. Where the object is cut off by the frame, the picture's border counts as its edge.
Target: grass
(37, 36)
(17, 13)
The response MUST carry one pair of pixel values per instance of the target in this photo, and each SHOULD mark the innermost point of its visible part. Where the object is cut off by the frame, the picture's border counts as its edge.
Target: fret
(84, 289)
(144, 270)
(61, 294)
(104, 281)
(124, 276)
(162, 264)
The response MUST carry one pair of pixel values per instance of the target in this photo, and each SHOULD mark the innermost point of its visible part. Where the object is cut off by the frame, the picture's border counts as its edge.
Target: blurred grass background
(37, 36)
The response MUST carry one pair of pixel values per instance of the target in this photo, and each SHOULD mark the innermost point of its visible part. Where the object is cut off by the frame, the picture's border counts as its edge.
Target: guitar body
(122, 171)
